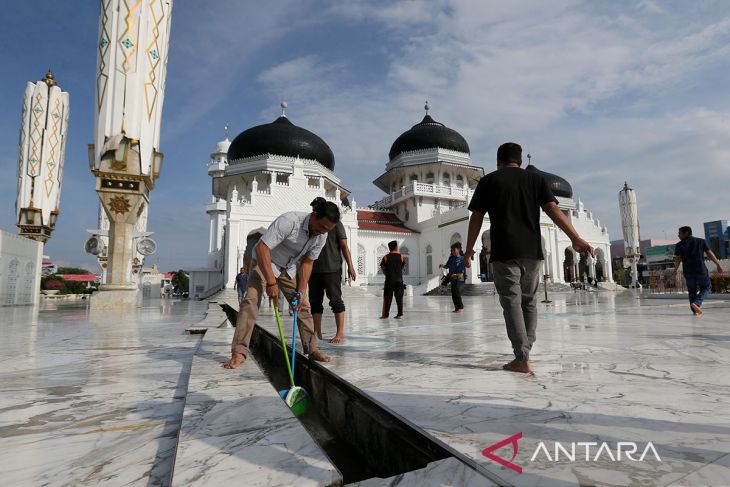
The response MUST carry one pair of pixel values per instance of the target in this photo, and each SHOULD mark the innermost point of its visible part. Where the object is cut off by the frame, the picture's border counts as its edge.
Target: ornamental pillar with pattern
(125, 157)
(44, 123)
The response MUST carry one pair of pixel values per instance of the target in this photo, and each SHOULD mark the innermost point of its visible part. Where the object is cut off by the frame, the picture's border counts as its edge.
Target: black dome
(282, 138)
(427, 135)
(558, 185)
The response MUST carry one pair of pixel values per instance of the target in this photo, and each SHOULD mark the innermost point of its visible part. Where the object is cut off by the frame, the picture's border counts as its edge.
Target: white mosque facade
(278, 167)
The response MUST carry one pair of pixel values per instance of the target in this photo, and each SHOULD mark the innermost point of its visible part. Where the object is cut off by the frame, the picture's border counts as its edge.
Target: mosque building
(429, 180)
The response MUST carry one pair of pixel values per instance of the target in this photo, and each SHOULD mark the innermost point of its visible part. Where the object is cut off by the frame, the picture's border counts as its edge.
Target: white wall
(20, 270)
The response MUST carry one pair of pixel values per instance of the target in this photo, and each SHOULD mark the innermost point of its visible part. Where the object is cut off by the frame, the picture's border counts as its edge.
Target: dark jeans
(457, 287)
(516, 282)
(391, 289)
(693, 282)
(328, 282)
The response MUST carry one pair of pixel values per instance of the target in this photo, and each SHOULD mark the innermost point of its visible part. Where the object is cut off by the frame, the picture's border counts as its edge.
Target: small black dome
(427, 135)
(282, 138)
(559, 186)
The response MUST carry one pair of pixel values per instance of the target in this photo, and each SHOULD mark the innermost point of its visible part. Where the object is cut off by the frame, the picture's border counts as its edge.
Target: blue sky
(598, 92)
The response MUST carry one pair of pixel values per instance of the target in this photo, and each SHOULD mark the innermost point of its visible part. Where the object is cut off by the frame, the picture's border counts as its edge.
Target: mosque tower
(44, 123)
(429, 171)
(125, 157)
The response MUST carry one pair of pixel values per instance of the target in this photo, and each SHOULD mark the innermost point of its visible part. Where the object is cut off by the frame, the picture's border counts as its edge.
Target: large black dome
(282, 138)
(558, 185)
(427, 135)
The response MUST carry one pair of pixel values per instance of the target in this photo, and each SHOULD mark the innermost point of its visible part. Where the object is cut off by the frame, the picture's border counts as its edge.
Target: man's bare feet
(522, 366)
(383, 317)
(319, 356)
(235, 361)
(319, 335)
(696, 309)
(337, 339)
(399, 317)
(460, 310)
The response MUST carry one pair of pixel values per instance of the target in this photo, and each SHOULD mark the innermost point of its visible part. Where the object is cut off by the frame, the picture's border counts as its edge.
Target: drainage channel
(362, 438)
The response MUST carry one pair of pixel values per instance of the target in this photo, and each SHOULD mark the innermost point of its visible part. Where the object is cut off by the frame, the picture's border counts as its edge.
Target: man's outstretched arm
(552, 210)
(712, 257)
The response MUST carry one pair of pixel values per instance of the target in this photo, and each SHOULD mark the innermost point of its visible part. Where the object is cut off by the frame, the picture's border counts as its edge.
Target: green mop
(296, 397)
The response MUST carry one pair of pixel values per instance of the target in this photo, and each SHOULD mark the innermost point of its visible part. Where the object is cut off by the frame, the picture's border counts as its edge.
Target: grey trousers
(516, 282)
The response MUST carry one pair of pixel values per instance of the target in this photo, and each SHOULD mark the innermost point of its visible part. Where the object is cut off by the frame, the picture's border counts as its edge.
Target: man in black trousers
(392, 266)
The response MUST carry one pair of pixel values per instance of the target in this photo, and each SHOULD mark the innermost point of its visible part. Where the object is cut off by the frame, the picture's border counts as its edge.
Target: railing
(423, 189)
(661, 282)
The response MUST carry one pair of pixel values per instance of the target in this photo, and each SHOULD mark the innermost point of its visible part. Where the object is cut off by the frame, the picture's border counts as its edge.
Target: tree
(181, 280)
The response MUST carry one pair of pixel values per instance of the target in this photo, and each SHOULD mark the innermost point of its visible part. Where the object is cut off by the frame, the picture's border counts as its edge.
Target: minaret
(44, 123)
(630, 227)
(125, 157)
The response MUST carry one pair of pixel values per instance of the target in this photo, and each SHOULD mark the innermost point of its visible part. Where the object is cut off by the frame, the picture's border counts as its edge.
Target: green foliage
(720, 283)
(181, 280)
(73, 287)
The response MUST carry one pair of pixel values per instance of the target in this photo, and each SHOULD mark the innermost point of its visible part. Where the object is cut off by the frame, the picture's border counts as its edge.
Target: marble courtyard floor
(90, 400)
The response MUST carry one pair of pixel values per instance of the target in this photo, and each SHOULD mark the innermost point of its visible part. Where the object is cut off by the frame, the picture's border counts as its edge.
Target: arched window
(406, 258)
(446, 179)
(459, 181)
(414, 177)
(429, 260)
(429, 178)
(379, 254)
(456, 237)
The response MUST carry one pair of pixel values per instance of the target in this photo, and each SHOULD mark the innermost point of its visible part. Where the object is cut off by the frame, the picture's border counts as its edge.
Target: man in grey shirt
(283, 259)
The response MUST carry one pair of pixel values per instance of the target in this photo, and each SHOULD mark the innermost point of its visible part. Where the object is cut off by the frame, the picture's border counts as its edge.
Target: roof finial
(529, 158)
(49, 79)
(283, 106)
(427, 107)
(226, 127)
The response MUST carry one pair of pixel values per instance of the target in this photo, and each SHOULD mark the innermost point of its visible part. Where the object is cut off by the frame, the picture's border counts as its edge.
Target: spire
(226, 127)
(283, 106)
(529, 158)
(427, 107)
(49, 79)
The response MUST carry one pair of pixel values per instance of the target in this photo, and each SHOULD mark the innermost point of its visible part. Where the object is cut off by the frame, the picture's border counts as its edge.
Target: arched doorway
(600, 265)
(485, 269)
(569, 274)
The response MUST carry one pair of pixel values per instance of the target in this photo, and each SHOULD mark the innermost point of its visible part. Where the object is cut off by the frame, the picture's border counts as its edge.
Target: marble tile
(609, 368)
(443, 473)
(235, 426)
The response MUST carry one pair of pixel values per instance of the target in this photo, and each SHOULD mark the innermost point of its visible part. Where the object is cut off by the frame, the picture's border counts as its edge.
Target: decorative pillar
(125, 156)
(44, 123)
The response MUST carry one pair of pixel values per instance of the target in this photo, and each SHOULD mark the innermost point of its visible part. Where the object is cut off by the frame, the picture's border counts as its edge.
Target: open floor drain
(361, 437)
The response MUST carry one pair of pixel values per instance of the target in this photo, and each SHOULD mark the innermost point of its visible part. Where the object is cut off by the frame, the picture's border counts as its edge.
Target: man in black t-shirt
(327, 278)
(513, 197)
(392, 266)
(690, 252)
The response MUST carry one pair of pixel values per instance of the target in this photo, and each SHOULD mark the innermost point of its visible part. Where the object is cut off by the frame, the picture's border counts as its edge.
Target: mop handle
(283, 344)
(295, 296)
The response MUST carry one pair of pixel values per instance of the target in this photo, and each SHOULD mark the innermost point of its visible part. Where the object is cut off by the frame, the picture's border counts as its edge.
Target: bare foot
(319, 335)
(383, 317)
(460, 310)
(337, 339)
(696, 309)
(522, 366)
(399, 317)
(319, 356)
(235, 361)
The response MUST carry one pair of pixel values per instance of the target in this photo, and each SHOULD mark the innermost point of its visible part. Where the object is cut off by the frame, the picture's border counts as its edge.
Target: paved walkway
(97, 399)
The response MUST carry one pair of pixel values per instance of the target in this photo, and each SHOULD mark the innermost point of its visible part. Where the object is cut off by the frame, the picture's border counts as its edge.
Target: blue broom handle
(295, 304)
